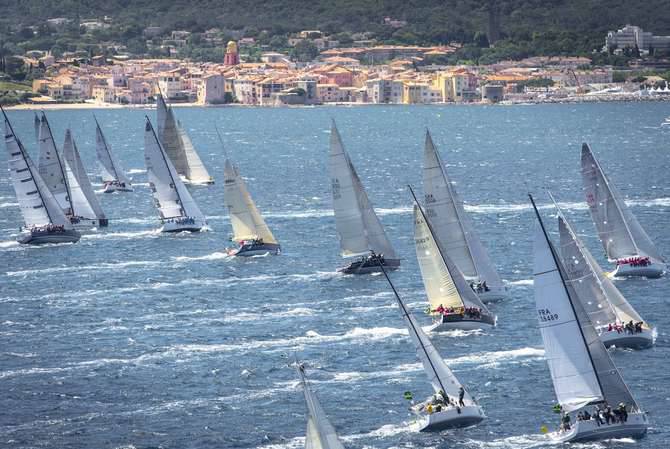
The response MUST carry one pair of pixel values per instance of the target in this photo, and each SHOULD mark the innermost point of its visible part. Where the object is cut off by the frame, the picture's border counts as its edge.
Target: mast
(24, 155)
(567, 292)
(409, 320)
(160, 148)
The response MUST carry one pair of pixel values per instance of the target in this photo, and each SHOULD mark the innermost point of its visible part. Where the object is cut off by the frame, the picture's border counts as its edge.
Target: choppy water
(134, 339)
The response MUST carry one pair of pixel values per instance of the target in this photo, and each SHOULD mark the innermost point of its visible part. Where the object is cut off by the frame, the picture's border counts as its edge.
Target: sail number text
(546, 315)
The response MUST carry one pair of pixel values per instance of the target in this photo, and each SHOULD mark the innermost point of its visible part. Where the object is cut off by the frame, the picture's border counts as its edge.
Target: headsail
(581, 369)
(37, 203)
(619, 231)
(197, 172)
(52, 168)
(172, 198)
(245, 218)
(451, 223)
(357, 224)
(110, 168)
(320, 432)
(602, 301)
(443, 281)
(73, 161)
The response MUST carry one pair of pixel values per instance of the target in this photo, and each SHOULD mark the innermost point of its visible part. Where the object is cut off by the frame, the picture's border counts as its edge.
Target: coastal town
(361, 73)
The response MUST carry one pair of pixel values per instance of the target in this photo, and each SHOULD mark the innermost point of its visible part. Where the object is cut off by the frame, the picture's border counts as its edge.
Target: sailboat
(320, 432)
(177, 145)
(358, 226)
(625, 242)
(453, 302)
(44, 219)
(62, 182)
(249, 228)
(73, 163)
(615, 320)
(113, 177)
(452, 405)
(583, 374)
(455, 230)
(177, 210)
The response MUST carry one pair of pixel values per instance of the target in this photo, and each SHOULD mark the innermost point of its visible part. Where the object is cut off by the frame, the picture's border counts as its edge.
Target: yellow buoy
(544, 429)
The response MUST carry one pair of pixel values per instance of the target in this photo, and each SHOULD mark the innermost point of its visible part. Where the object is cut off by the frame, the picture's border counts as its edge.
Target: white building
(632, 36)
(381, 91)
(170, 85)
(211, 89)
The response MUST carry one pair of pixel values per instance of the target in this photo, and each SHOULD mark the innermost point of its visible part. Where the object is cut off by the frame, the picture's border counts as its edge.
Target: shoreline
(510, 102)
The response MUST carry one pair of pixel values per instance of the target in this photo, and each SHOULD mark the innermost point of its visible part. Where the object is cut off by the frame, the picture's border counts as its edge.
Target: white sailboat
(452, 301)
(584, 376)
(616, 321)
(73, 161)
(113, 177)
(177, 145)
(455, 230)
(320, 432)
(44, 219)
(62, 182)
(358, 227)
(177, 209)
(452, 405)
(249, 228)
(625, 242)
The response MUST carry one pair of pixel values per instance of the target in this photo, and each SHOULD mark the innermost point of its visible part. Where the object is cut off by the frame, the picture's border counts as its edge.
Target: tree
(481, 40)
(278, 42)
(304, 51)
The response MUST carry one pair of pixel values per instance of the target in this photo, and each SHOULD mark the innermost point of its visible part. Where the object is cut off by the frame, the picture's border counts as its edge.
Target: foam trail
(214, 256)
(121, 235)
(135, 171)
(4, 205)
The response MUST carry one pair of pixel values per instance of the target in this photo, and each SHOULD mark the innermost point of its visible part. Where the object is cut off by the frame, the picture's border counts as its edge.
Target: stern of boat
(653, 270)
(634, 427)
(451, 418)
(640, 340)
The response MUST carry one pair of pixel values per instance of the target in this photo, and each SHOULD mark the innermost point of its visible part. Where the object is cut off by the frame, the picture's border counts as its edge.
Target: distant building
(493, 93)
(232, 56)
(633, 36)
(211, 89)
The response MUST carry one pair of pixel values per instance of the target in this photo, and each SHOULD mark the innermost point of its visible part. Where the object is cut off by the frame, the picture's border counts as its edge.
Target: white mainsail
(602, 301)
(320, 432)
(451, 223)
(172, 198)
(245, 218)
(358, 226)
(444, 283)
(73, 161)
(581, 369)
(109, 166)
(37, 203)
(52, 168)
(178, 146)
(619, 231)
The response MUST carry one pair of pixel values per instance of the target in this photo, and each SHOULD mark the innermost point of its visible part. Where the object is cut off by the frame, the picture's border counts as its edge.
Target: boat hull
(366, 267)
(256, 250)
(451, 418)
(69, 236)
(653, 270)
(110, 188)
(634, 427)
(176, 227)
(464, 323)
(642, 340)
(88, 223)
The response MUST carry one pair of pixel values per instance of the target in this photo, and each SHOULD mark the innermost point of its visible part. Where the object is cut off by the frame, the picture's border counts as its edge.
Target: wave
(101, 266)
(121, 235)
(4, 205)
(135, 171)
(521, 282)
(253, 316)
(214, 256)
(9, 244)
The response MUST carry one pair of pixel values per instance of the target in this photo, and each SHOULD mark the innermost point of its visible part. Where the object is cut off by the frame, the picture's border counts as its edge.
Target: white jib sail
(109, 166)
(245, 218)
(51, 167)
(573, 375)
(619, 231)
(197, 173)
(73, 160)
(172, 198)
(444, 283)
(320, 432)
(602, 301)
(168, 134)
(38, 205)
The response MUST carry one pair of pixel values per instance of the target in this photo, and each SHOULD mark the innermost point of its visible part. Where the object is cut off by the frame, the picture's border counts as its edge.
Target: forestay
(109, 166)
(320, 432)
(581, 369)
(52, 168)
(443, 281)
(245, 218)
(172, 198)
(73, 161)
(37, 203)
(619, 231)
(601, 300)
(451, 223)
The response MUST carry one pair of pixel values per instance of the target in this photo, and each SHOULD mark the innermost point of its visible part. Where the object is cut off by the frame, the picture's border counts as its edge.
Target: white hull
(466, 324)
(450, 418)
(494, 295)
(115, 188)
(255, 250)
(644, 339)
(88, 223)
(175, 227)
(634, 427)
(653, 270)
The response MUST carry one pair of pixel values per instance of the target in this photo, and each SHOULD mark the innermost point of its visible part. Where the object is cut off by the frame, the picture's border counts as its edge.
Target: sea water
(133, 339)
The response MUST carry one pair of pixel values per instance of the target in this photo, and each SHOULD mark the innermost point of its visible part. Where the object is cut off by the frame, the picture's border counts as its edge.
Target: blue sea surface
(133, 339)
